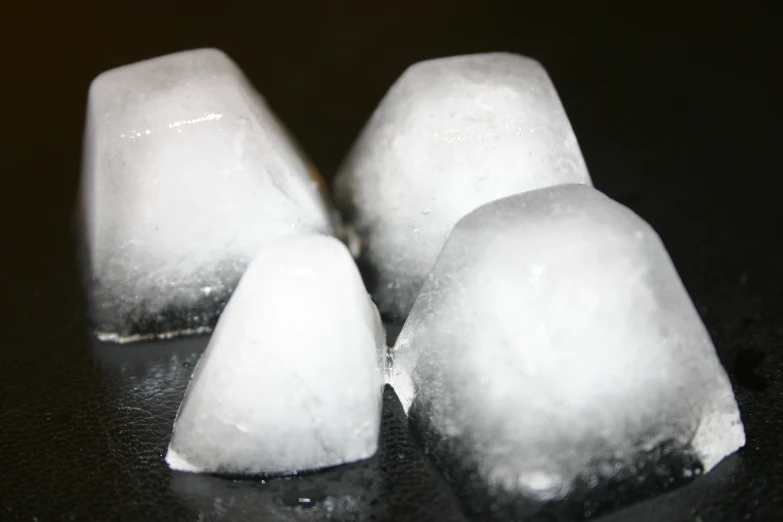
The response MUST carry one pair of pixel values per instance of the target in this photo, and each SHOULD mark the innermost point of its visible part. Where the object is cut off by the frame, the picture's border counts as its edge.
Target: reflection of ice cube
(554, 336)
(293, 374)
(450, 135)
(187, 176)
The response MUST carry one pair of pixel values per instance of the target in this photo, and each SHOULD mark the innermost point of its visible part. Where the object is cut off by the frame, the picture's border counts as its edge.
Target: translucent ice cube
(554, 340)
(293, 374)
(450, 135)
(187, 175)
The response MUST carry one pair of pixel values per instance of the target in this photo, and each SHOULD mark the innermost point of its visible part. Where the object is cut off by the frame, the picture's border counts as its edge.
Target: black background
(677, 111)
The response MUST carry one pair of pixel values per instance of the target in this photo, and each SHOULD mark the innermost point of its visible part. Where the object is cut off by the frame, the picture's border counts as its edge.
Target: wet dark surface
(677, 112)
(104, 459)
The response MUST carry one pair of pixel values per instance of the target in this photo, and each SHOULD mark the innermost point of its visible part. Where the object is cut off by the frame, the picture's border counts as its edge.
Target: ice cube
(554, 341)
(292, 377)
(450, 135)
(187, 175)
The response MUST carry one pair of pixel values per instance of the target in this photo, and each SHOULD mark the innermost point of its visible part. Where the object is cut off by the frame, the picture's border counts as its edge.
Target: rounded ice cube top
(554, 336)
(187, 175)
(450, 135)
(293, 374)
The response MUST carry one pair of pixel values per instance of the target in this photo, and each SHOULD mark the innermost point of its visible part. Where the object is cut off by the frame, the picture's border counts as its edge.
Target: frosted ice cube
(292, 377)
(187, 175)
(450, 135)
(553, 337)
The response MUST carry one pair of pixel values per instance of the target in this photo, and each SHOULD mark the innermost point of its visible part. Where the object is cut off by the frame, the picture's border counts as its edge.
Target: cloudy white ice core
(450, 135)
(293, 374)
(187, 176)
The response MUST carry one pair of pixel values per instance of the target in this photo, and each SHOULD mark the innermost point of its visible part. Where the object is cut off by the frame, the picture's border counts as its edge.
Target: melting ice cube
(554, 341)
(293, 374)
(450, 135)
(187, 175)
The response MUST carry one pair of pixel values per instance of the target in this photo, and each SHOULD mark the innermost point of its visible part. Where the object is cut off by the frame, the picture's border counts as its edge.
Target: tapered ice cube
(554, 337)
(450, 135)
(293, 374)
(187, 175)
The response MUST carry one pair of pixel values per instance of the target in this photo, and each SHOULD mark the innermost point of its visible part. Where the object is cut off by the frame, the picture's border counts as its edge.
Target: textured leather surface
(678, 115)
(103, 458)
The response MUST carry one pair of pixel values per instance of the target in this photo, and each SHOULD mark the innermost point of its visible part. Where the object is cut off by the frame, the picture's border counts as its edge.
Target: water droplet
(305, 496)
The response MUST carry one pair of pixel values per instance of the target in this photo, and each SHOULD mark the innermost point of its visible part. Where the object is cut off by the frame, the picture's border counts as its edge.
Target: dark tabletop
(678, 114)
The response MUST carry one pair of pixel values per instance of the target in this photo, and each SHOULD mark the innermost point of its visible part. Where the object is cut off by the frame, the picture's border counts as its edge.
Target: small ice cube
(187, 175)
(292, 377)
(450, 135)
(554, 340)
